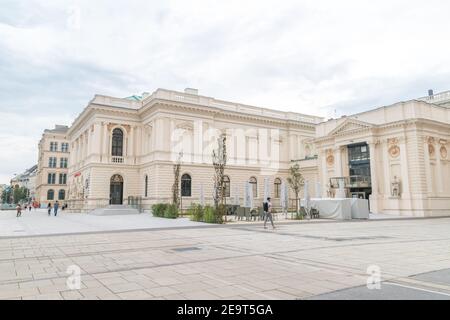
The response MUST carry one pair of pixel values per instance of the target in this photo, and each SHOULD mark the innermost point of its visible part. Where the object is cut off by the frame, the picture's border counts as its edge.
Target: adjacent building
(52, 168)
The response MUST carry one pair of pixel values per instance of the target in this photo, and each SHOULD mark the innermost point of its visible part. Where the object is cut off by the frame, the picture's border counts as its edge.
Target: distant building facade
(125, 148)
(52, 168)
(26, 180)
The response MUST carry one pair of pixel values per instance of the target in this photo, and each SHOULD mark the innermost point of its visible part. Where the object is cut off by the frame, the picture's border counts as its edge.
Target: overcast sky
(306, 56)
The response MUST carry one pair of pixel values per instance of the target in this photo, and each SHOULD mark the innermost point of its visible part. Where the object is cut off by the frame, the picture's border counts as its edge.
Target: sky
(326, 58)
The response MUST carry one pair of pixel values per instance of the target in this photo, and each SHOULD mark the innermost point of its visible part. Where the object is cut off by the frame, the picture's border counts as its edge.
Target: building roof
(58, 129)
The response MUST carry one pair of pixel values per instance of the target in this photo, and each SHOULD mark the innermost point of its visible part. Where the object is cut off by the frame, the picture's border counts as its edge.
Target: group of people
(29, 206)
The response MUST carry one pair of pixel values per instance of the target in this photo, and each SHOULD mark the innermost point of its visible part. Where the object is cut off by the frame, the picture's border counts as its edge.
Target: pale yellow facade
(53, 160)
(260, 142)
(408, 145)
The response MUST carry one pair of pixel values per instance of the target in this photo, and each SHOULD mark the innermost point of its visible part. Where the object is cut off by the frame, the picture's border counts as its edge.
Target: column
(198, 141)
(427, 167)
(105, 140)
(373, 178)
(404, 169)
(386, 170)
(323, 171)
(439, 173)
(338, 162)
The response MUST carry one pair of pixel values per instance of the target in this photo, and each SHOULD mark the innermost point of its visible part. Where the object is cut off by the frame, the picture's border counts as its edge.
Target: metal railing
(356, 181)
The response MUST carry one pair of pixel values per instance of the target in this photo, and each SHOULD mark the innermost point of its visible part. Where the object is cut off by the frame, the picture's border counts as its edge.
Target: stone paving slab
(296, 261)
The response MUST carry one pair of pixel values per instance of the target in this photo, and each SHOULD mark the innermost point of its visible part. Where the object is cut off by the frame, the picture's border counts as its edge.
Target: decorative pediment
(350, 125)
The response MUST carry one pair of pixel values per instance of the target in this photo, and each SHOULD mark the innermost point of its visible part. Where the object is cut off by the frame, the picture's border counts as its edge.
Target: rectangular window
(53, 146)
(52, 162)
(63, 163)
(65, 147)
(51, 178)
(62, 178)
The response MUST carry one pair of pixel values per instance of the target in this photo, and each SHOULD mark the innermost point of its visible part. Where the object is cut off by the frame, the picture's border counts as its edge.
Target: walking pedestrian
(29, 207)
(49, 208)
(55, 208)
(269, 214)
(19, 210)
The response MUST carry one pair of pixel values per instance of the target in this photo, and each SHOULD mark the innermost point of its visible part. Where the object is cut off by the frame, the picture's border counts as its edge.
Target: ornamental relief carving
(394, 149)
(330, 157)
(111, 125)
(431, 150)
(444, 152)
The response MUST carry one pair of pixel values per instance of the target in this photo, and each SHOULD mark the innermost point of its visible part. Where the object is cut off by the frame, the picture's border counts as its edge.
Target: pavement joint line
(416, 288)
(420, 283)
(224, 226)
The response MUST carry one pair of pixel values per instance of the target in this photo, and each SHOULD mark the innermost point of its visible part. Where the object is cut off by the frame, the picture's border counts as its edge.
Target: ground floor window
(186, 183)
(61, 194)
(50, 194)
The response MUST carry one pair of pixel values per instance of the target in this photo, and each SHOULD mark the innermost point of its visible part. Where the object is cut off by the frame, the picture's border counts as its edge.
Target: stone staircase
(113, 210)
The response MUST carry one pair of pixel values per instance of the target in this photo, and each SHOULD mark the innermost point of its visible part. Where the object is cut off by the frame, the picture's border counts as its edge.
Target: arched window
(117, 143)
(61, 194)
(277, 187)
(226, 186)
(186, 182)
(254, 184)
(146, 186)
(50, 194)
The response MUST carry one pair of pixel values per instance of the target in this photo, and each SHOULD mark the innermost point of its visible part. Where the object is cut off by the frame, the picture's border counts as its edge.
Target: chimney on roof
(430, 92)
(191, 91)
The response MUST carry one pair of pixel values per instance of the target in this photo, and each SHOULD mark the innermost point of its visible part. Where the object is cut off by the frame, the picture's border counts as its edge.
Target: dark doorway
(359, 170)
(116, 190)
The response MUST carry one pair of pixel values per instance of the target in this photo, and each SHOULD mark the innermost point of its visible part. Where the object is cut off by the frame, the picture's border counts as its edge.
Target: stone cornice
(219, 114)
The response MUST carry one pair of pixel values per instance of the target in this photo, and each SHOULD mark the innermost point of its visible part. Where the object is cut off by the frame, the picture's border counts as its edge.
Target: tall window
(146, 186)
(50, 194)
(117, 143)
(64, 147)
(277, 187)
(63, 163)
(226, 186)
(51, 178)
(52, 162)
(53, 146)
(62, 178)
(254, 184)
(186, 182)
(61, 194)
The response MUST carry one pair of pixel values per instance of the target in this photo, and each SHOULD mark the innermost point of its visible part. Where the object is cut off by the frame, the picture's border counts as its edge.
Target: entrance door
(116, 189)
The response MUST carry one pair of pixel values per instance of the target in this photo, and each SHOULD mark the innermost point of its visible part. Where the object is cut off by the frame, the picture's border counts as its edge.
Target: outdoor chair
(314, 213)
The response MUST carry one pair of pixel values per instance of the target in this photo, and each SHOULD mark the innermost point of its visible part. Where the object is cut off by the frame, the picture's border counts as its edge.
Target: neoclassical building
(125, 148)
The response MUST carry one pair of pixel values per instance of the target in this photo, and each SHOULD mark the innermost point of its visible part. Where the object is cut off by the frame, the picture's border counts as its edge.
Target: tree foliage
(176, 182)
(219, 158)
(295, 181)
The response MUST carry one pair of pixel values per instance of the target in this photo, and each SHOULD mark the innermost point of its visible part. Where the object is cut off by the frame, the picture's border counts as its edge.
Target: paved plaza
(295, 261)
(39, 223)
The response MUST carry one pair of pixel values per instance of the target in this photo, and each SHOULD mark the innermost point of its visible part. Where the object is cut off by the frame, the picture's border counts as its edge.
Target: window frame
(117, 142)
(186, 185)
(254, 182)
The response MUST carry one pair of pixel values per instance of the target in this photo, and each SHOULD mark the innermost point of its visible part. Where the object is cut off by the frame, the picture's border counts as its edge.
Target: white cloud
(305, 56)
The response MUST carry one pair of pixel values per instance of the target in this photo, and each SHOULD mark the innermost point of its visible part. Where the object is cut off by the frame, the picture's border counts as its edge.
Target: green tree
(20, 194)
(219, 158)
(176, 181)
(295, 181)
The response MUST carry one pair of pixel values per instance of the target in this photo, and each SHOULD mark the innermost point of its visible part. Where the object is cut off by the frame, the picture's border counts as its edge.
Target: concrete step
(113, 210)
